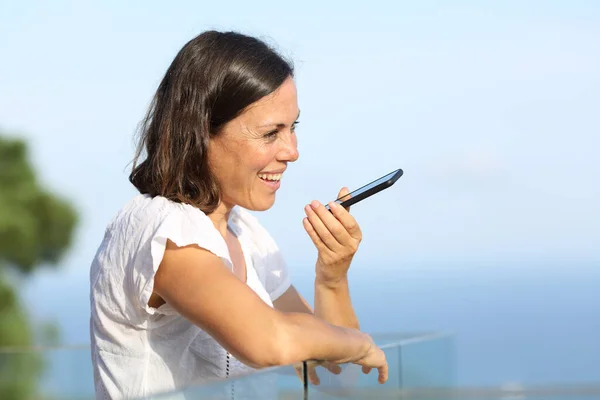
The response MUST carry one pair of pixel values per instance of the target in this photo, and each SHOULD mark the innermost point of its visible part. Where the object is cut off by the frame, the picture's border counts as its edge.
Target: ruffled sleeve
(183, 225)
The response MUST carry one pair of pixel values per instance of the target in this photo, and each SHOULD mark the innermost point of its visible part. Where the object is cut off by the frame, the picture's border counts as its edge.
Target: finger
(383, 373)
(330, 224)
(314, 237)
(312, 376)
(346, 219)
(298, 368)
(366, 370)
(322, 231)
(333, 368)
(310, 372)
(343, 193)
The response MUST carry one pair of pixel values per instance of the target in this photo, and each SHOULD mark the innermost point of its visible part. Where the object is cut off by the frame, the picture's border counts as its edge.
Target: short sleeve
(269, 262)
(184, 226)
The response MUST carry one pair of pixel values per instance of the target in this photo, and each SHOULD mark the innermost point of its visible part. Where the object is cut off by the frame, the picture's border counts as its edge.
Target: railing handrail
(496, 392)
(412, 338)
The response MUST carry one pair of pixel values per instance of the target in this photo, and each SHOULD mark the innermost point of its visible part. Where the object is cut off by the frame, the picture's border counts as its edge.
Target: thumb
(343, 194)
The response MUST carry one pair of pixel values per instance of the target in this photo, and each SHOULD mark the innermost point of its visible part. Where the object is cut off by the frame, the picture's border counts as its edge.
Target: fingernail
(333, 204)
(315, 204)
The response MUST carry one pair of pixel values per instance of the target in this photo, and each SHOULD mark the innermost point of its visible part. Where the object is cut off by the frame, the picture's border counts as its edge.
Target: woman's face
(250, 155)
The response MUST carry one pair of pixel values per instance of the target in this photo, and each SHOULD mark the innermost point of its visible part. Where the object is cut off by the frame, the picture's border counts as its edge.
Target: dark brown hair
(213, 78)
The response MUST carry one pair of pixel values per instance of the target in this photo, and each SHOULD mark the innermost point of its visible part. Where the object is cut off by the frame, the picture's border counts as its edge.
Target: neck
(220, 216)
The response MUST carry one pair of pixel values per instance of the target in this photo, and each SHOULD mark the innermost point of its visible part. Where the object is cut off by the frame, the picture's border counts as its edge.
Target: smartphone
(369, 190)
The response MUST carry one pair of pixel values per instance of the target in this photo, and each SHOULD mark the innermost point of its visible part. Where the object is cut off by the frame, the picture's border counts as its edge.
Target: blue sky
(491, 109)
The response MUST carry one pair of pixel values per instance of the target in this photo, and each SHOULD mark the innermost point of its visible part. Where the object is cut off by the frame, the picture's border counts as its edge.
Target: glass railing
(421, 366)
(420, 360)
(415, 360)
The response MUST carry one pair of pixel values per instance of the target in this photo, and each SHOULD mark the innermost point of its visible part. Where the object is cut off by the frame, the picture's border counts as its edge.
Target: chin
(261, 205)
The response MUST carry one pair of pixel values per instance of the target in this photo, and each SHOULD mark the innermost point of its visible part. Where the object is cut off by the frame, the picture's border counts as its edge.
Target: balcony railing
(421, 366)
(415, 361)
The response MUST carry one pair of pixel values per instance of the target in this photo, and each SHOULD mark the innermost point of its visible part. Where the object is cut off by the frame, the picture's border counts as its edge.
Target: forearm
(333, 303)
(305, 337)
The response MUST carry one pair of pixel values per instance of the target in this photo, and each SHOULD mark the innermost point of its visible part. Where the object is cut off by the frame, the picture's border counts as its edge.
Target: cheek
(260, 158)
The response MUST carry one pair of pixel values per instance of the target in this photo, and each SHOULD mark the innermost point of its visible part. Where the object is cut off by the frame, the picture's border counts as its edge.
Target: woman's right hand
(375, 358)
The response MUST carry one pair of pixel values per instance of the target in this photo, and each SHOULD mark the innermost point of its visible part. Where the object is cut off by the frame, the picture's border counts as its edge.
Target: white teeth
(270, 177)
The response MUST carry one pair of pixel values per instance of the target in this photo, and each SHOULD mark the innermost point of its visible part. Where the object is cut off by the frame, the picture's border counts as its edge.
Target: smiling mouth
(270, 177)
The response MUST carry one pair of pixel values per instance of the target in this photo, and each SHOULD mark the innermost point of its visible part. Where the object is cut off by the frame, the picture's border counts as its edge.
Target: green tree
(36, 229)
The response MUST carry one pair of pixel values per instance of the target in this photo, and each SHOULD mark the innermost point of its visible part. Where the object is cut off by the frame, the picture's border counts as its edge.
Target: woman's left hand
(336, 236)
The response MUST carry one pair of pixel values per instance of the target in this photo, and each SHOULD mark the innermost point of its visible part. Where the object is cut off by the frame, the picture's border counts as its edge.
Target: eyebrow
(278, 125)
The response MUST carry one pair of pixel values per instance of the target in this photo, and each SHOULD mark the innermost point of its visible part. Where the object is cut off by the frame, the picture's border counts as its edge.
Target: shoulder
(145, 218)
(135, 242)
(147, 211)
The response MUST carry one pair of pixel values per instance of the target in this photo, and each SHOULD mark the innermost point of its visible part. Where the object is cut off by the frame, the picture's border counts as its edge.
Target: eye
(271, 135)
(293, 128)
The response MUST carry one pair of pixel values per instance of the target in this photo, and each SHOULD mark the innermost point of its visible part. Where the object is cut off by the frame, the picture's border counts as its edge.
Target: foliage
(18, 370)
(36, 228)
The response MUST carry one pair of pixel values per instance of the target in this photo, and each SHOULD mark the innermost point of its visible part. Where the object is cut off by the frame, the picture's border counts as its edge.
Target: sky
(490, 108)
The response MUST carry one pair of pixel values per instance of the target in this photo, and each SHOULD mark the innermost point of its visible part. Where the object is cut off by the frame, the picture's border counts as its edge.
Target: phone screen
(366, 187)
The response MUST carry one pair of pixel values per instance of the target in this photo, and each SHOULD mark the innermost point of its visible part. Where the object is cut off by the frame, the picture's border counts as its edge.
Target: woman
(187, 285)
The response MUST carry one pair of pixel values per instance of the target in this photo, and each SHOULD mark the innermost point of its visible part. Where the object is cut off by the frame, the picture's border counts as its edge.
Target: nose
(289, 150)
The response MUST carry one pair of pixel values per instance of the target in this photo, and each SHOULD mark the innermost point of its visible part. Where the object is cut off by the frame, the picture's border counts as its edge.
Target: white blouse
(138, 350)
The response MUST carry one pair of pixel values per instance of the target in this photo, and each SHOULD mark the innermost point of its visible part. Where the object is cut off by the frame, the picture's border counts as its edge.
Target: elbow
(262, 359)
(266, 360)
(277, 348)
